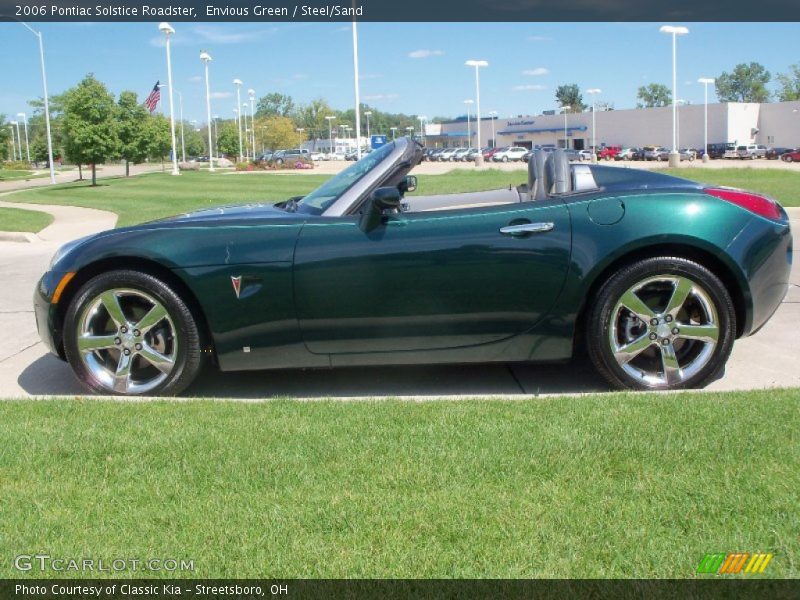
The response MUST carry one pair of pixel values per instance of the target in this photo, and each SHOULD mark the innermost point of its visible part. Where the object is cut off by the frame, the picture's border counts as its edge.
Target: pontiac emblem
(237, 284)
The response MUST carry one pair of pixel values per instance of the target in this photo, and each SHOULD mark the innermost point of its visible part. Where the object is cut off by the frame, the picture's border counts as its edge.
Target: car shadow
(48, 376)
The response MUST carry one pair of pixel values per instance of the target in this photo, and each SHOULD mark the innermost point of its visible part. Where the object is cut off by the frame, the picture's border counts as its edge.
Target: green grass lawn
(13, 175)
(613, 485)
(157, 195)
(16, 219)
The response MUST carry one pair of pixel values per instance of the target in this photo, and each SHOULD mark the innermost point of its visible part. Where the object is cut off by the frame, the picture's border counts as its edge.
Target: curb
(18, 236)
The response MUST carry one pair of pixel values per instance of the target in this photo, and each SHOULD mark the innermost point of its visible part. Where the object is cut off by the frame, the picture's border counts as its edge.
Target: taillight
(753, 202)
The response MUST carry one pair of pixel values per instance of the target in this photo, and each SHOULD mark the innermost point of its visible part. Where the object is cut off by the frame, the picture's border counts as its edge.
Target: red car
(608, 152)
(489, 152)
(793, 156)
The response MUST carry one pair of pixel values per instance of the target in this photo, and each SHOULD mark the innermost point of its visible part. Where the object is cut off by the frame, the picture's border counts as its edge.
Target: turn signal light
(753, 202)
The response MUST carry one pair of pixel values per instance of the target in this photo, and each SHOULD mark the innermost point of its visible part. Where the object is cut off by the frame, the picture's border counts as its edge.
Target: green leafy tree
(90, 131)
(311, 117)
(228, 138)
(132, 130)
(653, 94)
(790, 84)
(570, 95)
(5, 138)
(746, 83)
(194, 141)
(277, 133)
(158, 137)
(274, 104)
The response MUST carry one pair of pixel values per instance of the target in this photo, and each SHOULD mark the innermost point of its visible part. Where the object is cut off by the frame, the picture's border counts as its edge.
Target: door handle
(526, 228)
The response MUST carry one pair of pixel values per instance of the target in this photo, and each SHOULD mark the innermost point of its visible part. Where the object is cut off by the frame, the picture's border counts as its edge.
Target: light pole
(410, 131)
(330, 118)
(252, 93)
(679, 103)
(168, 31)
(238, 84)
(205, 57)
(19, 139)
(592, 92)
(469, 128)
(478, 64)
(705, 81)
(180, 114)
(216, 135)
(394, 132)
(38, 34)
(14, 140)
(357, 91)
(493, 115)
(422, 119)
(564, 109)
(367, 114)
(27, 145)
(674, 31)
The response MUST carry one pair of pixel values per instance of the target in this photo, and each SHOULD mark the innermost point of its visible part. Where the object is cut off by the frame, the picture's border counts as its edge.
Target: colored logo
(734, 563)
(237, 285)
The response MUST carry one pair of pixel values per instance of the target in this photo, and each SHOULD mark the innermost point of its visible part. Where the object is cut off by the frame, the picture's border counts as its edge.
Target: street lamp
(216, 135)
(238, 84)
(38, 34)
(252, 93)
(394, 132)
(469, 128)
(355, 85)
(679, 103)
(11, 125)
(180, 115)
(330, 118)
(705, 81)
(674, 31)
(410, 130)
(206, 58)
(478, 64)
(592, 92)
(493, 115)
(19, 139)
(168, 31)
(27, 145)
(564, 109)
(245, 130)
(422, 119)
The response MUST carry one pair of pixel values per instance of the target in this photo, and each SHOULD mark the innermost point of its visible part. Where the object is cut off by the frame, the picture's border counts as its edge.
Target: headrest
(537, 189)
(561, 173)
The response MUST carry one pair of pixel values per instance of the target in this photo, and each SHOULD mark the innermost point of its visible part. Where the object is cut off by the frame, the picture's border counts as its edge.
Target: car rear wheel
(505, 159)
(788, 159)
(128, 333)
(661, 323)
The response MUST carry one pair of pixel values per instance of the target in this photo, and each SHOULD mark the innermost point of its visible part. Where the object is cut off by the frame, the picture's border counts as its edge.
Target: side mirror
(409, 184)
(382, 199)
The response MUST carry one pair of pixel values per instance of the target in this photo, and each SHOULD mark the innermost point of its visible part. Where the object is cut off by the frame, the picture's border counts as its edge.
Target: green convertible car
(654, 275)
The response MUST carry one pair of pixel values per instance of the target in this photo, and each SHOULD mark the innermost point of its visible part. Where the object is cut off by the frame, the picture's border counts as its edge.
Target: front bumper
(47, 315)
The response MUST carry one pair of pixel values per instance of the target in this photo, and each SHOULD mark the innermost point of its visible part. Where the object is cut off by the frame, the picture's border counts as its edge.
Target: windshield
(322, 197)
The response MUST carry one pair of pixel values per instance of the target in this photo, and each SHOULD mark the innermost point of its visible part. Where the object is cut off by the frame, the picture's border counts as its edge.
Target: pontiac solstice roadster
(655, 276)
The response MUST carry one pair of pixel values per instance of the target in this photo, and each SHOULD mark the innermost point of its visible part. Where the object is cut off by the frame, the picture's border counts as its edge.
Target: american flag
(151, 102)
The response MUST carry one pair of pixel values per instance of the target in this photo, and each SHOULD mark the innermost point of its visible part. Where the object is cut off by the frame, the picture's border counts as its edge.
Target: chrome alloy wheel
(663, 330)
(127, 341)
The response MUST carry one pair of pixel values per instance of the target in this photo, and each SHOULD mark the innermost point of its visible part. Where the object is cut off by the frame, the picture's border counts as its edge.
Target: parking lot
(767, 359)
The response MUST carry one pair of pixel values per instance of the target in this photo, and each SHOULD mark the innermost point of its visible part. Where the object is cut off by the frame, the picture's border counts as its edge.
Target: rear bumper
(763, 250)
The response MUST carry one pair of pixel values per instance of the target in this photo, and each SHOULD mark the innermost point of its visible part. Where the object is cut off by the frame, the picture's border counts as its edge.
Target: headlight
(64, 250)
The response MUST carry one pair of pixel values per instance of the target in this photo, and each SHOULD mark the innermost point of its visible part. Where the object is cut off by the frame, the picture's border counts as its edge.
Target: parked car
(488, 153)
(716, 150)
(656, 153)
(572, 154)
(447, 154)
(316, 156)
(751, 151)
(638, 153)
(687, 154)
(263, 157)
(509, 154)
(282, 156)
(608, 152)
(461, 154)
(471, 155)
(793, 156)
(345, 276)
(731, 150)
(585, 154)
(626, 154)
(776, 153)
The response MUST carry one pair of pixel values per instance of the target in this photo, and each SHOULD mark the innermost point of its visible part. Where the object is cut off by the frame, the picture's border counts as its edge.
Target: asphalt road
(768, 359)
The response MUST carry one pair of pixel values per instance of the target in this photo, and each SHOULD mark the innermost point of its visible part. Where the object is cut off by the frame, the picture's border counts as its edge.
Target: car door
(429, 280)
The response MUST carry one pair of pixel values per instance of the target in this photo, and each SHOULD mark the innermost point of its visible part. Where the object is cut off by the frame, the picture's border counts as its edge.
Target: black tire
(279, 161)
(599, 316)
(188, 354)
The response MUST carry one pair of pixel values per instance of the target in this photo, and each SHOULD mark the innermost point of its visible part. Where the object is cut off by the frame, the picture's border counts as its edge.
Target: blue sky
(417, 68)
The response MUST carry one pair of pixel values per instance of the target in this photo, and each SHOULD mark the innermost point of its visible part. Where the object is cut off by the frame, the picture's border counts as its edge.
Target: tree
(570, 95)
(653, 94)
(274, 104)
(747, 83)
(790, 84)
(277, 133)
(5, 138)
(158, 135)
(228, 138)
(132, 129)
(311, 117)
(89, 128)
(194, 141)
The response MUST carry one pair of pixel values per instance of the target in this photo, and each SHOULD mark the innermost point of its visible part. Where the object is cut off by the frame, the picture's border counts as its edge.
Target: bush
(299, 163)
(16, 165)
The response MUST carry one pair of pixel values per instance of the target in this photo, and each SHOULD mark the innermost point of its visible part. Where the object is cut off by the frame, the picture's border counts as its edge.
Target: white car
(511, 153)
(448, 154)
(584, 155)
(316, 156)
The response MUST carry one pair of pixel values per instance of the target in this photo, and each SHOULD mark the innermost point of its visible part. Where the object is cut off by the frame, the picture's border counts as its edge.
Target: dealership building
(772, 124)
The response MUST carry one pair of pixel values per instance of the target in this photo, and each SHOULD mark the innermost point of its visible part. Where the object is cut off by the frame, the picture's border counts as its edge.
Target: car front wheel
(128, 333)
(661, 323)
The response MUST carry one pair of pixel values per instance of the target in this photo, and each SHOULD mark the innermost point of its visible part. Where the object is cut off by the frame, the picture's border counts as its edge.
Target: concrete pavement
(768, 359)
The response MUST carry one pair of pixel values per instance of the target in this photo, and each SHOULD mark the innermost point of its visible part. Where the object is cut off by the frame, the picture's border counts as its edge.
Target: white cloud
(529, 88)
(539, 38)
(375, 97)
(220, 95)
(220, 35)
(536, 72)
(195, 79)
(425, 53)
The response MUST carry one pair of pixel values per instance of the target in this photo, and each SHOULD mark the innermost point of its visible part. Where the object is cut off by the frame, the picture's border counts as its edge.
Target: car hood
(256, 210)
